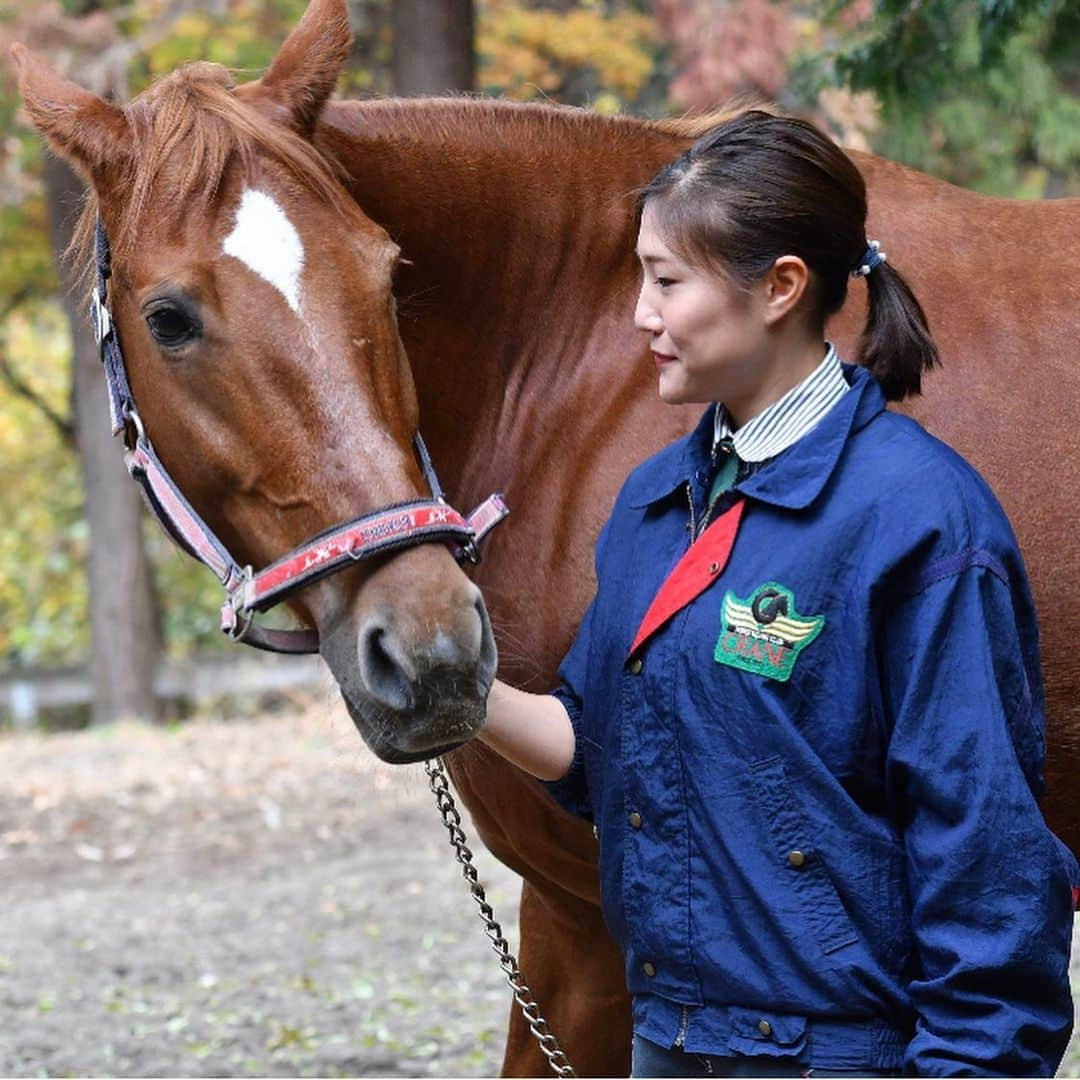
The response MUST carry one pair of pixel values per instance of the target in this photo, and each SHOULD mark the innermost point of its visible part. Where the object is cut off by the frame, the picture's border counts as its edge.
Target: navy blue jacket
(816, 796)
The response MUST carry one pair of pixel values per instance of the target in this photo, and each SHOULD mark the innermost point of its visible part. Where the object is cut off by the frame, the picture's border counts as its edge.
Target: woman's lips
(662, 358)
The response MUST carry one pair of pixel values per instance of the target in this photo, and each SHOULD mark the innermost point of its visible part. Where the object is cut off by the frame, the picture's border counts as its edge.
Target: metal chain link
(549, 1045)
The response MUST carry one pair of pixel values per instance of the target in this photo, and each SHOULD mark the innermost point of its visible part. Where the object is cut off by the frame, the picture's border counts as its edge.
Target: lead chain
(549, 1045)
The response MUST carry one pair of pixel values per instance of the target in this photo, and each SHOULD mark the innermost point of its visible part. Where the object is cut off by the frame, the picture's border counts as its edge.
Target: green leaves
(977, 91)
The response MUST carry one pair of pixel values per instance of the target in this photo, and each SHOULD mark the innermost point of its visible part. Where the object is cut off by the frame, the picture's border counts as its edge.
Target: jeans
(650, 1059)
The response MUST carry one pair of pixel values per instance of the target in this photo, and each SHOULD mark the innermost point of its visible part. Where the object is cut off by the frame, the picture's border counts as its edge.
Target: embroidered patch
(764, 634)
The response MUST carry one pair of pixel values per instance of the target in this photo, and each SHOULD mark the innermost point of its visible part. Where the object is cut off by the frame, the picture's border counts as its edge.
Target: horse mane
(693, 125)
(195, 112)
(449, 119)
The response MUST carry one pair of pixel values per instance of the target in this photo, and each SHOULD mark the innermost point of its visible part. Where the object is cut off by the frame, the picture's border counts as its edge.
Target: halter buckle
(235, 621)
(469, 552)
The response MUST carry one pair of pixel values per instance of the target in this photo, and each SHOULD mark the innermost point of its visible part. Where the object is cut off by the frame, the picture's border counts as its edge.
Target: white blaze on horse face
(265, 240)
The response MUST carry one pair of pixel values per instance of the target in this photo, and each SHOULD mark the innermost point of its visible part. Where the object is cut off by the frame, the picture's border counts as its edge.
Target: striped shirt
(789, 418)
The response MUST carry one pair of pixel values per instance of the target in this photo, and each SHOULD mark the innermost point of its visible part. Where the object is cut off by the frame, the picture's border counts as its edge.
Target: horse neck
(517, 225)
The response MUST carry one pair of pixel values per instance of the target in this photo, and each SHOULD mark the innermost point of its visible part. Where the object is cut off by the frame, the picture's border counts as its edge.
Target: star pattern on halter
(323, 553)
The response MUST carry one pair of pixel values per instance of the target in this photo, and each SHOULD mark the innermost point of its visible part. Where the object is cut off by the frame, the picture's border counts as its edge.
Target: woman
(804, 710)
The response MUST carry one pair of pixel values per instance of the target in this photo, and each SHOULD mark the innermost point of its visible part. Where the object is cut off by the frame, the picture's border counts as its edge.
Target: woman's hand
(531, 730)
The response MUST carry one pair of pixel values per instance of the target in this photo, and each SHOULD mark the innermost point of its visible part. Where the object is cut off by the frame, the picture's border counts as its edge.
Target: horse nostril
(385, 669)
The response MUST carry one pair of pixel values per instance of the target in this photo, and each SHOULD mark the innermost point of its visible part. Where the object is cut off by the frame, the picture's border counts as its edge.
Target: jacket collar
(793, 479)
(790, 417)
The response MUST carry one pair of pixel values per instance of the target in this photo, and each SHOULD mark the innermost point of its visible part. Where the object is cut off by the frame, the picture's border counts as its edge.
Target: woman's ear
(785, 285)
(86, 131)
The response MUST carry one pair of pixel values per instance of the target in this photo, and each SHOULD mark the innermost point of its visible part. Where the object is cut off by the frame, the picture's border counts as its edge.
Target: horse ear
(83, 129)
(302, 75)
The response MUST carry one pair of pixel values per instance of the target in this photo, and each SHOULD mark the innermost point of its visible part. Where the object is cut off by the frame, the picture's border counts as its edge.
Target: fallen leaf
(20, 836)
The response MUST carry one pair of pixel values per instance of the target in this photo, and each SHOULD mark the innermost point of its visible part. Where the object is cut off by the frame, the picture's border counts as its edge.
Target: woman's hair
(759, 186)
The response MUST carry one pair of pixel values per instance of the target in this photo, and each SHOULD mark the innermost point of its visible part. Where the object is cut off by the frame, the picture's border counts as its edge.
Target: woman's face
(708, 335)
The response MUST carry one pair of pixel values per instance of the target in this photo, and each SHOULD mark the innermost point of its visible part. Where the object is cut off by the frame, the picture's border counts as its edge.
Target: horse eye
(171, 327)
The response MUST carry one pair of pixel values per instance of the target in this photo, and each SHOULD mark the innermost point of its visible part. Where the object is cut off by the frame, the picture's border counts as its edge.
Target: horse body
(516, 314)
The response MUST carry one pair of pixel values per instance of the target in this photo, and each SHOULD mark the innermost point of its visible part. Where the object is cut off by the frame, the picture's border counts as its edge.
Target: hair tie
(872, 258)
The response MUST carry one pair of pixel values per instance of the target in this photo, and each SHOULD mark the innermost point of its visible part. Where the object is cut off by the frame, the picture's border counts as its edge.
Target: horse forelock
(192, 127)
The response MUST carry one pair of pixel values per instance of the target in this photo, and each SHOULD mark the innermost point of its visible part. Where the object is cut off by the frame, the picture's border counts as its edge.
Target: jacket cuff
(571, 791)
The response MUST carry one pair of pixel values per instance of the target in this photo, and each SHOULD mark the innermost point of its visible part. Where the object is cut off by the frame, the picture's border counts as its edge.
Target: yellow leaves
(42, 598)
(523, 53)
(189, 37)
(243, 37)
(606, 102)
(192, 25)
(244, 11)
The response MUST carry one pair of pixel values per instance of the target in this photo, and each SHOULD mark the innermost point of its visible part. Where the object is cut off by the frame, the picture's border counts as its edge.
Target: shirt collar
(790, 417)
(793, 479)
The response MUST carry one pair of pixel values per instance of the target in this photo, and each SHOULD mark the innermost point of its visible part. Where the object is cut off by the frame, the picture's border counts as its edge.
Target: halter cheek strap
(248, 592)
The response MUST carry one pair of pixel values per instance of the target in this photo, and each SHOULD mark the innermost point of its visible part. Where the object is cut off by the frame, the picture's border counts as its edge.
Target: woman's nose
(646, 317)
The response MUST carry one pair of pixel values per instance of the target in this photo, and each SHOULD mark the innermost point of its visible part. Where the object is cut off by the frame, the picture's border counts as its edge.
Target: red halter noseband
(248, 592)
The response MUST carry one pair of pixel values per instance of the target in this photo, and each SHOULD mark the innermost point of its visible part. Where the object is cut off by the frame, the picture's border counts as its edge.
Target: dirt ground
(250, 898)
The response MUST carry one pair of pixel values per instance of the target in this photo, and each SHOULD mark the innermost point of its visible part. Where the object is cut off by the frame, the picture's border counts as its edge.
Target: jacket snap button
(796, 858)
(714, 568)
(635, 820)
(765, 1028)
(636, 665)
(596, 831)
(648, 968)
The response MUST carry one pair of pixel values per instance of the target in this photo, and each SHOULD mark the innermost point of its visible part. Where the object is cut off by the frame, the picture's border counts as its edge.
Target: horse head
(255, 307)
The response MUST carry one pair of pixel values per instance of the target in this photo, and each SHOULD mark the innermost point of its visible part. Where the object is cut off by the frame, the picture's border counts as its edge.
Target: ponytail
(895, 344)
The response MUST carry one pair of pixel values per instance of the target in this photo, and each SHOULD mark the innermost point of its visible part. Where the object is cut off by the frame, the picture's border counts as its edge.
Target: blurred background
(99, 617)
(204, 872)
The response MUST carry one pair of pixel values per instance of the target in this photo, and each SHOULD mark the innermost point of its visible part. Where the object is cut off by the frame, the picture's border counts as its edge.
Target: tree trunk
(126, 641)
(433, 46)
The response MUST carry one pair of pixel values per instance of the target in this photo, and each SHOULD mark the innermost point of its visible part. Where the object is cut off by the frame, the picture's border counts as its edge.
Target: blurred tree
(433, 46)
(43, 541)
(604, 55)
(42, 616)
(124, 632)
(369, 65)
(725, 49)
(983, 92)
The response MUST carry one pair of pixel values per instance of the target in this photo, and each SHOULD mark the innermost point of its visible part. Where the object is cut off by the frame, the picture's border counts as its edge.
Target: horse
(509, 232)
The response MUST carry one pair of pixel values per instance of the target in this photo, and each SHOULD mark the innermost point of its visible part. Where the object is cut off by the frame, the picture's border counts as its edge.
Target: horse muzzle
(415, 677)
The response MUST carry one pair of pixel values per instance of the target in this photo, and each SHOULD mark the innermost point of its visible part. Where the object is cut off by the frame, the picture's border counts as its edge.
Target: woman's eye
(171, 327)
(664, 282)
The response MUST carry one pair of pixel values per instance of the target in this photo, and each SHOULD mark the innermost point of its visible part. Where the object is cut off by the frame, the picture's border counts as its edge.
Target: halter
(248, 592)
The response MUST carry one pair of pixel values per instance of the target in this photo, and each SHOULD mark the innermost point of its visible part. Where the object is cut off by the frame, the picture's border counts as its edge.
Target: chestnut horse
(515, 314)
